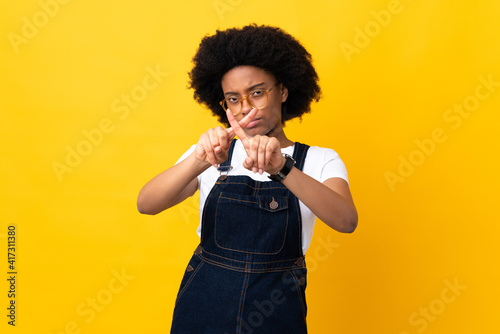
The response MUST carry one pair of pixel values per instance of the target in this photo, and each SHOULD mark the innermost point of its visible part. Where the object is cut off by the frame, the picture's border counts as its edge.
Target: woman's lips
(253, 124)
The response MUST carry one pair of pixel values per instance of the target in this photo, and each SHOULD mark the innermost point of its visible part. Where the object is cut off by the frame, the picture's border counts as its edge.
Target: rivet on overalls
(273, 205)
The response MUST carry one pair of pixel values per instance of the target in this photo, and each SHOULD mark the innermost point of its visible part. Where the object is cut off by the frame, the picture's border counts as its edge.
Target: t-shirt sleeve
(186, 154)
(333, 166)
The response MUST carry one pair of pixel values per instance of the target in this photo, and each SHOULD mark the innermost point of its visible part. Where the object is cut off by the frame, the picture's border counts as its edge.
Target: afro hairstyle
(265, 47)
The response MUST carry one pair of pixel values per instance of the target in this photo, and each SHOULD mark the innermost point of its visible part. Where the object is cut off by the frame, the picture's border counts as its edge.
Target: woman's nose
(246, 107)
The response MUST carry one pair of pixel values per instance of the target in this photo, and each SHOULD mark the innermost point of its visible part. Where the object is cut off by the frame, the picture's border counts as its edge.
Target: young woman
(260, 194)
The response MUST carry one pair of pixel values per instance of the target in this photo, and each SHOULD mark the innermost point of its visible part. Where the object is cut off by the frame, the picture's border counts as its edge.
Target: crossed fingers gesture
(263, 152)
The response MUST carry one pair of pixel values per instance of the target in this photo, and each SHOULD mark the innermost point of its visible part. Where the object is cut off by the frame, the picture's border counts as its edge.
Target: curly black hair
(266, 47)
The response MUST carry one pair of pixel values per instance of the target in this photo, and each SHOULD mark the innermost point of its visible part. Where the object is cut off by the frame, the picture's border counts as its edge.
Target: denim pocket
(300, 278)
(192, 269)
(252, 224)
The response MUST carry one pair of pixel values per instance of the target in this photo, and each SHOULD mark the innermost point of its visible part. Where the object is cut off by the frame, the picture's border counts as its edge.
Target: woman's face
(242, 81)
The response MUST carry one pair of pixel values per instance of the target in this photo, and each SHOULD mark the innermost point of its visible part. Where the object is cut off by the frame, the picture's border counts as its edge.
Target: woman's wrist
(279, 167)
(285, 168)
(198, 164)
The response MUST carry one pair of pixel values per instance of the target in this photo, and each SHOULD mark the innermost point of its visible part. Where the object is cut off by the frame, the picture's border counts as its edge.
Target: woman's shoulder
(323, 163)
(317, 152)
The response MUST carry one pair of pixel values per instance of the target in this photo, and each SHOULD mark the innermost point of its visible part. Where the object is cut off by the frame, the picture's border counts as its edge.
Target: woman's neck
(279, 134)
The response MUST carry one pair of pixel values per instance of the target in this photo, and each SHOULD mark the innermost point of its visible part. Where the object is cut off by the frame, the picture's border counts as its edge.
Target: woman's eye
(257, 93)
(232, 100)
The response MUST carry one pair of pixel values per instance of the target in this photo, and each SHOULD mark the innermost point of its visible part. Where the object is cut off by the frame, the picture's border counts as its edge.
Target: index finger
(237, 127)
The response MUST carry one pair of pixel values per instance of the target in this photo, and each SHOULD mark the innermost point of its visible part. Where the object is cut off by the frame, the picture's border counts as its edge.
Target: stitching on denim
(215, 219)
(299, 294)
(237, 200)
(193, 274)
(256, 189)
(250, 251)
(242, 303)
(299, 219)
(283, 199)
(227, 181)
(246, 269)
(258, 262)
(203, 216)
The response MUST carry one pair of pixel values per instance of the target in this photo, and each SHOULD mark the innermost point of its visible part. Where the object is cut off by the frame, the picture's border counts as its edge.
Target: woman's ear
(284, 93)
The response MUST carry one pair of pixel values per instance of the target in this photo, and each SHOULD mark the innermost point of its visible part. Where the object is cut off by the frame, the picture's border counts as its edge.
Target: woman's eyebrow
(249, 89)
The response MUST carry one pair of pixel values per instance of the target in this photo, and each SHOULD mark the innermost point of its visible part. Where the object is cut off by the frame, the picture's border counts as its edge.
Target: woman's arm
(171, 187)
(179, 182)
(330, 201)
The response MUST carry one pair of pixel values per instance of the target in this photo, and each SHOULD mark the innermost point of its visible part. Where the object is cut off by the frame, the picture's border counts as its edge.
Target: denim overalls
(248, 275)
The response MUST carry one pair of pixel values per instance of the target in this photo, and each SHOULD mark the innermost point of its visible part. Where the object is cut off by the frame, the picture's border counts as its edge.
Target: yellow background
(78, 231)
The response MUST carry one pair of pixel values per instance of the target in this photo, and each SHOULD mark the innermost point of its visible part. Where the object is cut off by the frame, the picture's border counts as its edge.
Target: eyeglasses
(257, 99)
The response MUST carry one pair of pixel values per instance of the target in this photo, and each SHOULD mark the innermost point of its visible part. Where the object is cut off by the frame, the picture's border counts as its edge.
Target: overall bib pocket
(266, 218)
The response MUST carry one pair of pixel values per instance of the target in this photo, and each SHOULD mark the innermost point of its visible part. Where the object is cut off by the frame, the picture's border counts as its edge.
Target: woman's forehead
(246, 77)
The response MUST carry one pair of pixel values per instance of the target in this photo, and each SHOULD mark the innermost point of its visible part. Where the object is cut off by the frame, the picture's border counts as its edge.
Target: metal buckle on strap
(224, 171)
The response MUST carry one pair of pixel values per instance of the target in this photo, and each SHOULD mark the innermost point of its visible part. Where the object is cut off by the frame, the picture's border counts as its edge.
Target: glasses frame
(245, 97)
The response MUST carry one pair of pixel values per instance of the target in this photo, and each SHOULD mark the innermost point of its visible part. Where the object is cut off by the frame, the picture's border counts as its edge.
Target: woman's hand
(264, 153)
(213, 145)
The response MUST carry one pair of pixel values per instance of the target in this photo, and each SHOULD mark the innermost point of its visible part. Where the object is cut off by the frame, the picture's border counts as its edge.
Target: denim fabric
(248, 275)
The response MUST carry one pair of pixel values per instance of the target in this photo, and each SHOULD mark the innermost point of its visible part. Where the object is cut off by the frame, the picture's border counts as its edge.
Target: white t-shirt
(321, 164)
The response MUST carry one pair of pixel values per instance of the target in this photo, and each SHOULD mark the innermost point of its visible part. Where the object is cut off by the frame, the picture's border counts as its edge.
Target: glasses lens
(258, 99)
(233, 106)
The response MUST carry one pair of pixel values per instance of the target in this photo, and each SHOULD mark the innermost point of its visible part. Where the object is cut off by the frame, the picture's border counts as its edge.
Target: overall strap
(226, 165)
(299, 155)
